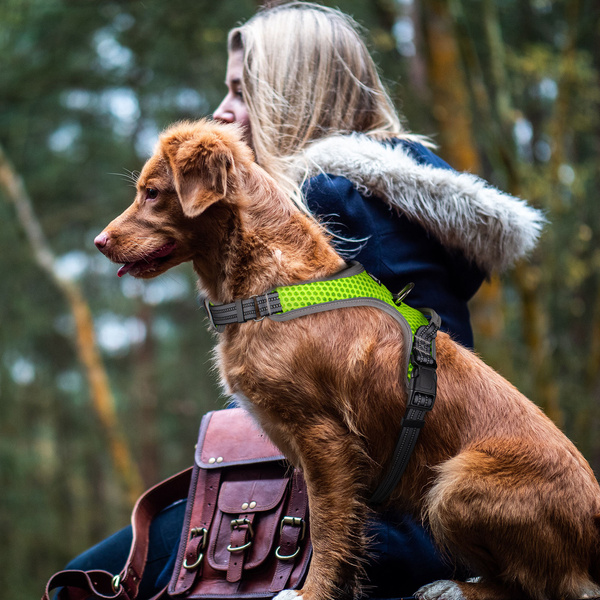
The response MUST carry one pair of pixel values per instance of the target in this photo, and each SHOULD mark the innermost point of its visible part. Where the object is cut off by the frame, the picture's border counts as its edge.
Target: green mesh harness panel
(352, 287)
(360, 285)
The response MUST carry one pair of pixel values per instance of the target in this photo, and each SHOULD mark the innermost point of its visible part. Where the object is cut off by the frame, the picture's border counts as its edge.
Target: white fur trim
(440, 590)
(288, 595)
(462, 211)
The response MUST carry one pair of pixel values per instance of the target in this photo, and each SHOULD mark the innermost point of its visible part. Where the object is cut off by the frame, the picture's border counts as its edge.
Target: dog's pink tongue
(125, 269)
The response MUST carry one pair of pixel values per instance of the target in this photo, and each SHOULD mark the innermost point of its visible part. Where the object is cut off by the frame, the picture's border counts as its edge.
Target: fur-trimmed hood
(461, 210)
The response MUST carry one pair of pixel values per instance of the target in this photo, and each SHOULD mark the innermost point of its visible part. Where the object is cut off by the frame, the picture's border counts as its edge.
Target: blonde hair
(308, 74)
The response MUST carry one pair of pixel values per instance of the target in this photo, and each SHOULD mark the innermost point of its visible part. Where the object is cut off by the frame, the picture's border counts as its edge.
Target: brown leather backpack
(245, 533)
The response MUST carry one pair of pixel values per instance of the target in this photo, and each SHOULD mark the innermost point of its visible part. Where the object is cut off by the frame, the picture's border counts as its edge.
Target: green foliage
(85, 87)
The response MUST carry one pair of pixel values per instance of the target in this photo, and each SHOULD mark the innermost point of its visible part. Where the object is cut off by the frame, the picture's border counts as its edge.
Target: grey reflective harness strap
(241, 311)
(422, 392)
(420, 366)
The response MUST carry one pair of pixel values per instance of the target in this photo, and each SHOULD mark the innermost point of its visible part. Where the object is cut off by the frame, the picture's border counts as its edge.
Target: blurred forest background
(103, 381)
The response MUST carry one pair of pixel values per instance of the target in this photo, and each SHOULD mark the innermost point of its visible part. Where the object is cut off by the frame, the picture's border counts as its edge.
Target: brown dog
(498, 484)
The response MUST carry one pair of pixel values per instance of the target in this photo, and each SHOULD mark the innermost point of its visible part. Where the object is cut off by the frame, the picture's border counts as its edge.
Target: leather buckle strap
(297, 536)
(292, 531)
(201, 533)
(198, 531)
(247, 534)
(242, 533)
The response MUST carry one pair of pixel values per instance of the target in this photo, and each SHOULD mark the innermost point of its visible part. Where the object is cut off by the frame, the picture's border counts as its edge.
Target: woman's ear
(201, 161)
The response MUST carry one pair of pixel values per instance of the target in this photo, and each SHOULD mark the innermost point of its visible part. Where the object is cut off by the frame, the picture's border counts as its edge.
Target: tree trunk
(451, 109)
(534, 318)
(451, 106)
(146, 400)
(85, 342)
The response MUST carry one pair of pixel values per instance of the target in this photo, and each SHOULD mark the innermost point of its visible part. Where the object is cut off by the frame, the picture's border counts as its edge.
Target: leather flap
(231, 437)
(251, 496)
(258, 484)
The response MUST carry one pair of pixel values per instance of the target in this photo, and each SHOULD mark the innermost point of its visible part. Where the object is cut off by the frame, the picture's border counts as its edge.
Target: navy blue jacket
(396, 250)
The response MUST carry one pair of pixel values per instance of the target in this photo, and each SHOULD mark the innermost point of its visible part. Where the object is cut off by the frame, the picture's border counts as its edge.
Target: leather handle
(84, 583)
(125, 586)
(147, 507)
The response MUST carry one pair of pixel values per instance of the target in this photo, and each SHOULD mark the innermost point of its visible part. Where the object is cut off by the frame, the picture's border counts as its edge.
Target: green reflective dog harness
(355, 287)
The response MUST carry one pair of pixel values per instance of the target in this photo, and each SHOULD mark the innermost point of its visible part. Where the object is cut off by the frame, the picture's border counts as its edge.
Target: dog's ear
(201, 162)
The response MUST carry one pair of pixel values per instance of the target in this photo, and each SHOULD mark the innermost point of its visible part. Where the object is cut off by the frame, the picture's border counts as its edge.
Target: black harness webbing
(422, 392)
(421, 367)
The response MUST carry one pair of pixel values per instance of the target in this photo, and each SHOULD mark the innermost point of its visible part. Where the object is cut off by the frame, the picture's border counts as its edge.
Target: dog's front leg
(331, 459)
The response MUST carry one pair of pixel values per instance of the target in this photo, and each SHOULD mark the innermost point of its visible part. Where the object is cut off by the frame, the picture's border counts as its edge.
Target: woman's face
(233, 109)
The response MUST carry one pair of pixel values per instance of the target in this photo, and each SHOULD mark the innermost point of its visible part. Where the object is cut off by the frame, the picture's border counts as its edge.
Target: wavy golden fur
(499, 485)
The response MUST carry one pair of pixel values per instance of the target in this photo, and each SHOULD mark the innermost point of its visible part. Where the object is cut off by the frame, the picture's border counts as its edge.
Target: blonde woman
(302, 83)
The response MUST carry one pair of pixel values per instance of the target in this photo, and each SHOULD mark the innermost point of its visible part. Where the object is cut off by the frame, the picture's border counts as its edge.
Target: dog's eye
(151, 193)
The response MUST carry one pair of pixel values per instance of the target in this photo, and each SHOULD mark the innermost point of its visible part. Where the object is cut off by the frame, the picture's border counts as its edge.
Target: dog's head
(195, 165)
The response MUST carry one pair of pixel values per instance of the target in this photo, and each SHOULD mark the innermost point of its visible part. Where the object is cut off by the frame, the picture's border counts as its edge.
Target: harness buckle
(269, 308)
(258, 318)
(423, 386)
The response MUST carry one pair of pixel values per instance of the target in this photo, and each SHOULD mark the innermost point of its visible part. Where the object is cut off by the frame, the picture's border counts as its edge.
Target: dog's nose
(101, 241)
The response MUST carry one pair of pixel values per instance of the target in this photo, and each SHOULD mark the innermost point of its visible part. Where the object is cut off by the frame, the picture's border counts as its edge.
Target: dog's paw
(288, 595)
(440, 590)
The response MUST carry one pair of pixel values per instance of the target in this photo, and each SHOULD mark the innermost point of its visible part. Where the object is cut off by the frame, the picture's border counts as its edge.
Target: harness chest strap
(355, 287)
